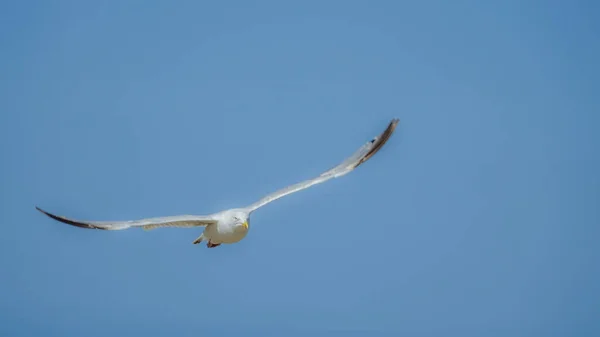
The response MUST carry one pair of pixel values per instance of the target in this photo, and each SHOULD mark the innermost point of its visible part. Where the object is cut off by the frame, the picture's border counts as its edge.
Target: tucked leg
(212, 245)
(199, 239)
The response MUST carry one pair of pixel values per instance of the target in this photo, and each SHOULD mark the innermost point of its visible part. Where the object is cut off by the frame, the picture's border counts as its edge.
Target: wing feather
(181, 221)
(361, 155)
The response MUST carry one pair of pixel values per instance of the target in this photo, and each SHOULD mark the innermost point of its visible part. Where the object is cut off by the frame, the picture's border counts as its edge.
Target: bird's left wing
(149, 223)
(360, 156)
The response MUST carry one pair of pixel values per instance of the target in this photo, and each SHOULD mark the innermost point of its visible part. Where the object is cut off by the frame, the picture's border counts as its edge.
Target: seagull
(232, 225)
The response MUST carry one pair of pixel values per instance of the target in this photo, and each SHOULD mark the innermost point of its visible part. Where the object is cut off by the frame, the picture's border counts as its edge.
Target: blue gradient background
(479, 217)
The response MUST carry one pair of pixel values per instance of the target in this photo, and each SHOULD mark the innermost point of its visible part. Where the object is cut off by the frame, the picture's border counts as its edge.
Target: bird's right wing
(149, 223)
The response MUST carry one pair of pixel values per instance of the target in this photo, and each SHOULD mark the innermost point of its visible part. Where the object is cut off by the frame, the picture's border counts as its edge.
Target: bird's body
(232, 225)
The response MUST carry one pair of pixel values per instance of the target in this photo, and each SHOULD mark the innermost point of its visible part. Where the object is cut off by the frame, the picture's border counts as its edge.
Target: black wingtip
(380, 140)
(68, 221)
(41, 210)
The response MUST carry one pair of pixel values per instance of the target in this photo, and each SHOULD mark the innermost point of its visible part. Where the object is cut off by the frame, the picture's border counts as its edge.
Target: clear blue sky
(480, 217)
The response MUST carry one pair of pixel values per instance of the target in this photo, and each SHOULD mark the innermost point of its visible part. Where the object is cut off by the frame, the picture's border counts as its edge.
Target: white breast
(224, 233)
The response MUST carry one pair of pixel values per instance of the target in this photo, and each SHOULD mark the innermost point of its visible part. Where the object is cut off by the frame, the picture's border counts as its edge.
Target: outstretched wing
(150, 223)
(360, 156)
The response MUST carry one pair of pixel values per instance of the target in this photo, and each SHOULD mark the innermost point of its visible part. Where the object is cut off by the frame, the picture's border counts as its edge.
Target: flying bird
(232, 225)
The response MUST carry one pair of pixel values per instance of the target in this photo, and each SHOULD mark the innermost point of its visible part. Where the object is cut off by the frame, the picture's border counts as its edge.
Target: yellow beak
(245, 224)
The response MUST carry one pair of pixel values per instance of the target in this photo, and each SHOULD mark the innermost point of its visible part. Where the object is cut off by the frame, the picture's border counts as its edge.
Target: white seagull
(231, 226)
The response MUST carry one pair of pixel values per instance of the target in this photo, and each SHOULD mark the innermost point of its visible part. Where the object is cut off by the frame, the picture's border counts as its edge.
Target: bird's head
(241, 218)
